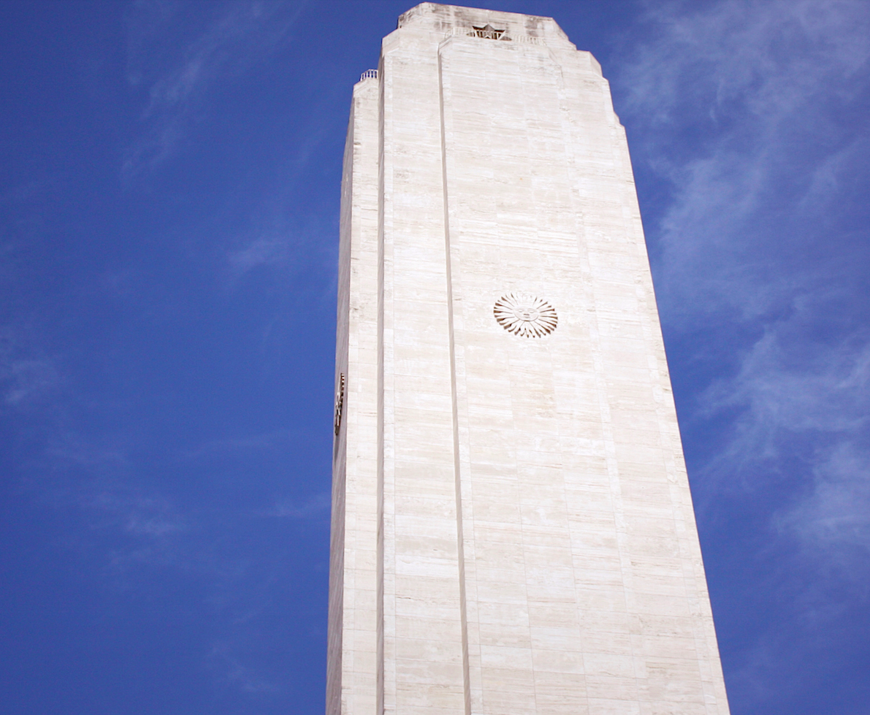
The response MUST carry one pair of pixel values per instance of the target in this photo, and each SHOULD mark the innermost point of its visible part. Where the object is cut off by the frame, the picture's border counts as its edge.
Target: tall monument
(512, 529)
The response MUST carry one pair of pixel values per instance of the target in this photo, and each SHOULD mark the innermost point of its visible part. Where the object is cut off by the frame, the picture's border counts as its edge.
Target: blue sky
(169, 188)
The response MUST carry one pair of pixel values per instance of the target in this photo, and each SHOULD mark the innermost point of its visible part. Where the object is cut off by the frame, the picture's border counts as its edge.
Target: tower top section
(487, 24)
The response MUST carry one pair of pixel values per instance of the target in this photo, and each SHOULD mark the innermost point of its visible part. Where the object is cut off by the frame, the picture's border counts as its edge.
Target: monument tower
(512, 530)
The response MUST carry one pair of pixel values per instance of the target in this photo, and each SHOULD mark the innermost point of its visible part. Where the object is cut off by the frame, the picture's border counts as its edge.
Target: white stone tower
(512, 530)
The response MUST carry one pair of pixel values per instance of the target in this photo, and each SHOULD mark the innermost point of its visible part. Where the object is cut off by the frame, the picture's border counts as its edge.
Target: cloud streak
(315, 507)
(748, 119)
(98, 480)
(742, 102)
(238, 36)
(259, 252)
(736, 97)
(26, 376)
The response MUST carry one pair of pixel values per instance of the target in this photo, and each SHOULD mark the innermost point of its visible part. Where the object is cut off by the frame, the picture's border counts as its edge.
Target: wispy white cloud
(312, 508)
(106, 488)
(26, 375)
(26, 378)
(135, 513)
(262, 441)
(260, 251)
(835, 517)
(748, 111)
(226, 661)
(180, 72)
(743, 109)
(812, 405)
(750, 116)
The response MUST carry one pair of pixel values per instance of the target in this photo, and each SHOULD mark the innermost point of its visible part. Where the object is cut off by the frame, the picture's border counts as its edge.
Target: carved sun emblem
(525, 315)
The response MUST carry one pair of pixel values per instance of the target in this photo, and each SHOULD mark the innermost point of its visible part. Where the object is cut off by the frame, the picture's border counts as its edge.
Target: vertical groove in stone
(463, 605)
(380, 665)
(423, 639)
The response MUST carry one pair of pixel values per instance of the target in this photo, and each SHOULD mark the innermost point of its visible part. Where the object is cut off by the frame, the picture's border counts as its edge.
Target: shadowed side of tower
(512, 523)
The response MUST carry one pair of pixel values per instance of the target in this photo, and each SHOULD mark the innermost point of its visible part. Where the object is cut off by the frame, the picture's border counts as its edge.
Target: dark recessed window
(488, 32)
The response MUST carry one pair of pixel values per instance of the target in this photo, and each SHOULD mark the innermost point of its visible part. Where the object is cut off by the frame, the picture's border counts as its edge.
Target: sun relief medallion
(525, 315)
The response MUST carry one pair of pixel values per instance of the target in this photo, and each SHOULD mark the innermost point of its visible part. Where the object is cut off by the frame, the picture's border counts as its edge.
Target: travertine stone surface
(512, 524)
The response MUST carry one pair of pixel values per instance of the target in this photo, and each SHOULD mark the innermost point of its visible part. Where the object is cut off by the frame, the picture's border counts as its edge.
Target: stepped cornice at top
(453, 20)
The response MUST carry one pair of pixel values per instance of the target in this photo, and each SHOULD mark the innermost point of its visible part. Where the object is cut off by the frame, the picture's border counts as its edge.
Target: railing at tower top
(488, 33)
